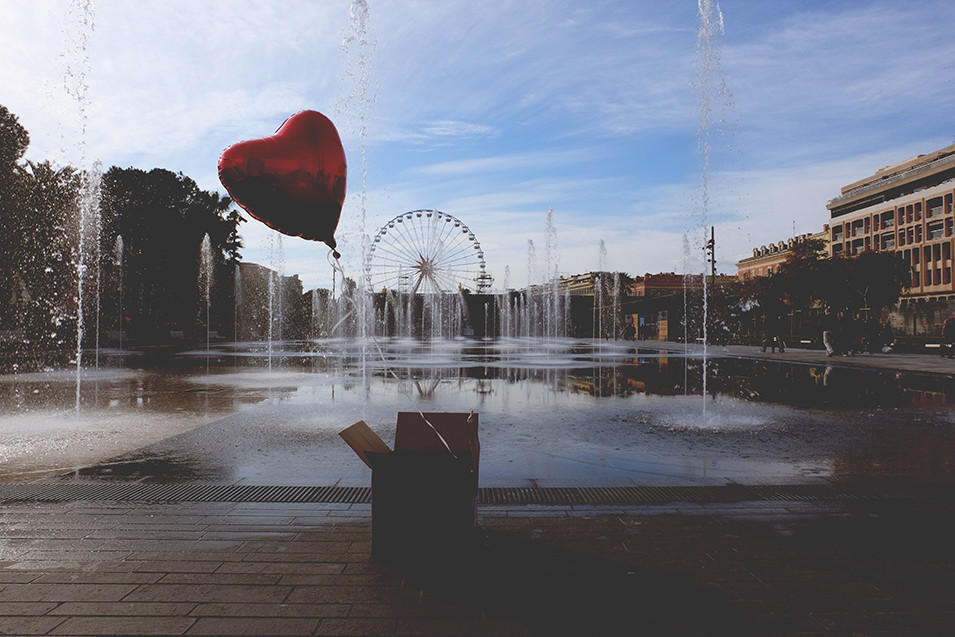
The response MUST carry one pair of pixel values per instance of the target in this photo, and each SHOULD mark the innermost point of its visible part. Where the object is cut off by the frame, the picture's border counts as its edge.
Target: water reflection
(204, 383)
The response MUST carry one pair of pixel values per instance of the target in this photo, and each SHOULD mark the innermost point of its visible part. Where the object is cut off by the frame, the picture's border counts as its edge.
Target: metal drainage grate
(492, 496)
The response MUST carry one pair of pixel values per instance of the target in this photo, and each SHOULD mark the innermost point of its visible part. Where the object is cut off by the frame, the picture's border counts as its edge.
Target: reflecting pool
(559, 412)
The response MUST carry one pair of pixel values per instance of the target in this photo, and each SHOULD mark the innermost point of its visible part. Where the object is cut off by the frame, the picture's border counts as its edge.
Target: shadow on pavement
(560, 592)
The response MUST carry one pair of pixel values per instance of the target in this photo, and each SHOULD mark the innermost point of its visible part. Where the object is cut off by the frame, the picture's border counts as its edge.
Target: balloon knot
(336, 254)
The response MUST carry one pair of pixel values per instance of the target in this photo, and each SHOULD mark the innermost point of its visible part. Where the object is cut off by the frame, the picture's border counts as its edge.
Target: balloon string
(337, 267)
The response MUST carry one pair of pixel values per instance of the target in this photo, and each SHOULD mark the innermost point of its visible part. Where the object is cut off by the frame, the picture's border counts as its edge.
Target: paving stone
(208, 593)
(253, 626)
(76, 566)
(282, 568)
(225, 609)
(97, 577)
(247, 536)
(64, 592)
(25, 608)
(222, 579)
(52, 558)
(119, 609)
(28, 625)
(195, 555)
(295, 546)
(180, 566)
(14, 577)
(123, 626)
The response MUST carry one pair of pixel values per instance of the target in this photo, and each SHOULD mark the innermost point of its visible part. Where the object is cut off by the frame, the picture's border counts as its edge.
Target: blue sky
(498, 112)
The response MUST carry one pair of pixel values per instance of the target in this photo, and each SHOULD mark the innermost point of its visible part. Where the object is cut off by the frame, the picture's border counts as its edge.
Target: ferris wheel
(426, 252)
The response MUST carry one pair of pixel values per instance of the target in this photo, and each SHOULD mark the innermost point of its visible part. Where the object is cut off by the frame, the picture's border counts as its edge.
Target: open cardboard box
(425, 491)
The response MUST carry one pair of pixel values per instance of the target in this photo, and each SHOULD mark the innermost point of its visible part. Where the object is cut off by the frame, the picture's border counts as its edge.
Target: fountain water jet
(710, 69)
(118, 263)
(76, 86)
(205, 284)
(275, 289)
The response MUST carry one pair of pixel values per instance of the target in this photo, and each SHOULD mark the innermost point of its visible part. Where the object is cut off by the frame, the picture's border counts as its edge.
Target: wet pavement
(930, 363)
(873, 565)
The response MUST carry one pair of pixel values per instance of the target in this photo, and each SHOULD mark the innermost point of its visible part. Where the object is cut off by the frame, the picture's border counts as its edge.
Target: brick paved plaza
(869, 567)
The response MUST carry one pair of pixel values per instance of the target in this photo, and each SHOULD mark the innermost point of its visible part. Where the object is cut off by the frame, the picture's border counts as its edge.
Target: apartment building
(906, 208)
(767, 259)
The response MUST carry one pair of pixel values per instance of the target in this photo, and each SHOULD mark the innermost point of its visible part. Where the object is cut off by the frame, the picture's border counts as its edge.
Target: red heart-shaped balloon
(293, 181)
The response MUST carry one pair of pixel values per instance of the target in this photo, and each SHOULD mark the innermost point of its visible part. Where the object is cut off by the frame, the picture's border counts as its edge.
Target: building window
(901, 237)
(918, 211)
(949, 223)
(888, 219)
(918, 234)
(837, 233)
(934, 207)
(935, 230)
(888, 240)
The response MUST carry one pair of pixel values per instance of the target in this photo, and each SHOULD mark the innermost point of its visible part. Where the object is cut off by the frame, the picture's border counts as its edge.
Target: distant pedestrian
(848, 337)
(772, 332)
(948, 336)
(830, 326)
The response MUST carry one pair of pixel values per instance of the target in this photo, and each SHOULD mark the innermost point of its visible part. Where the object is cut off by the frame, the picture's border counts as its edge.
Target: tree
(876, 280)
(39, 258)
(14, 140)
(809, 283)
(798, 280)
(37, 272)
(162, 218)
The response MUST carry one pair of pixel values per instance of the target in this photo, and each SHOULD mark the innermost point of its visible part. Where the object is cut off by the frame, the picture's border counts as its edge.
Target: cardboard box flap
(459, 430)
(361, 438)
